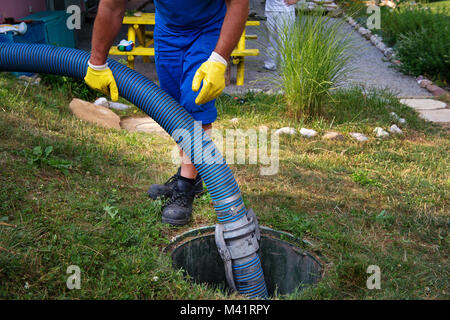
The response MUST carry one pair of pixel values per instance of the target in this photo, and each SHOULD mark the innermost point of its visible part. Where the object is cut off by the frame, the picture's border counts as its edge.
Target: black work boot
(165, 190)
(177, 211)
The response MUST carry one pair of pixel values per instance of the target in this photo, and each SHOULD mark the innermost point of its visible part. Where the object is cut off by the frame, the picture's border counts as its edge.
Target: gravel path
(370, 68)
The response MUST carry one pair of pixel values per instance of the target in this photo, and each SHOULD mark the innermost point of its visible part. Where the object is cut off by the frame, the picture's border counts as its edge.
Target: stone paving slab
(438, 115)
(424, 104)
(145, 124)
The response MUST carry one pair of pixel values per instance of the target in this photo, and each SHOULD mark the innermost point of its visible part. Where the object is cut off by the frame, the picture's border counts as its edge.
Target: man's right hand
(106, 27)
(101, 78)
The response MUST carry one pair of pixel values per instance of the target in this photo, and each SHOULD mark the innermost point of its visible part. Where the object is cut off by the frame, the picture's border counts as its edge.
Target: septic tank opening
(286, 266)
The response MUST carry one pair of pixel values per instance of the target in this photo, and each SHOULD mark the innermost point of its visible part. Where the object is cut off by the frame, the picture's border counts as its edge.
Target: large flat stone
(98, 115)
(439, 115)
(145, 124)
(424, 104)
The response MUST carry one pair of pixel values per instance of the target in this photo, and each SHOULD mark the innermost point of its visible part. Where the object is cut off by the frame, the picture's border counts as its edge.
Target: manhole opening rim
(303, 246)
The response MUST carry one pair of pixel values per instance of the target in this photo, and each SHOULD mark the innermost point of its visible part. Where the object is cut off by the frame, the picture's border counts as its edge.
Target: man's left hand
(212, 73)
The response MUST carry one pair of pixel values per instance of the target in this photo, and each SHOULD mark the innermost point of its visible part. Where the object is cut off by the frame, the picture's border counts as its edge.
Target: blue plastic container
(56, 31)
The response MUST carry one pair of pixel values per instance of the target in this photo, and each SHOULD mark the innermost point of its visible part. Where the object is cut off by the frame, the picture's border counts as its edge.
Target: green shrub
(313, 60)
(425, 52)
(407, 18)
(421, 37)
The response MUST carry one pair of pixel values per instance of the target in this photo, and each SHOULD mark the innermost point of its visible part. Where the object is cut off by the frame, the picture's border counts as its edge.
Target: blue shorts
(178, 55)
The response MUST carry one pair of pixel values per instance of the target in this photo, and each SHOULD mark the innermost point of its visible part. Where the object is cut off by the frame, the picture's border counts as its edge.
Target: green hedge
(421, 38)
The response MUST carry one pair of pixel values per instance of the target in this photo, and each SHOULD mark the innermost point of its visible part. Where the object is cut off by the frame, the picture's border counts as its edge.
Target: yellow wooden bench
(136, 30)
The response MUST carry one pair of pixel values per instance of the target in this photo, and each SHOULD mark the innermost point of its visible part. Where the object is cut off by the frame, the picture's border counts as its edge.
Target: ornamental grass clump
(313, 59)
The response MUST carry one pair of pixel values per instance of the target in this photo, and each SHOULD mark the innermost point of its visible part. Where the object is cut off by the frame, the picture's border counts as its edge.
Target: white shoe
(270, 67)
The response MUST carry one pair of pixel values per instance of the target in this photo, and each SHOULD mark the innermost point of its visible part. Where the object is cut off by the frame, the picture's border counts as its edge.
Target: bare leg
(187, 168)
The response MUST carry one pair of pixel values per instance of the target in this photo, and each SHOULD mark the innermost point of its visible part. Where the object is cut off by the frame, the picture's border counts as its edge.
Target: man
(193, 42)
(279, 14)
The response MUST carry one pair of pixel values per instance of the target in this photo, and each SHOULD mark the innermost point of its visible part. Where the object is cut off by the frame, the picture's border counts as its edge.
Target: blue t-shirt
(189, 14)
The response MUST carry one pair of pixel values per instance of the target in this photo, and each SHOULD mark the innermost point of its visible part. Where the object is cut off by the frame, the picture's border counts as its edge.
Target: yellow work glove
(101, 78)
(212, 73)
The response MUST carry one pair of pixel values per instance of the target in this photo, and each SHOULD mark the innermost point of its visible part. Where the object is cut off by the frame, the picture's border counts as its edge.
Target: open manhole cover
(286, 266)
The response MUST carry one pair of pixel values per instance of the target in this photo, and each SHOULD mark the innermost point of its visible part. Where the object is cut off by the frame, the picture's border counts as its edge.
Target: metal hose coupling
(238, 243)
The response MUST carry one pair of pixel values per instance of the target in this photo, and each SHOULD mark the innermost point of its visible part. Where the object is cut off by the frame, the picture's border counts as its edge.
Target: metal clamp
(225, 255)
(237, 240)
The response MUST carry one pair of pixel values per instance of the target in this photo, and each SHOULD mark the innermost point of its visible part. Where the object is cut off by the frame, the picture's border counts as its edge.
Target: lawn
(83, 201)
(439, 4)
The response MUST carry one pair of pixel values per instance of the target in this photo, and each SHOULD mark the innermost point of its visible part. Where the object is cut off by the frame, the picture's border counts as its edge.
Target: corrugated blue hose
(142, 92)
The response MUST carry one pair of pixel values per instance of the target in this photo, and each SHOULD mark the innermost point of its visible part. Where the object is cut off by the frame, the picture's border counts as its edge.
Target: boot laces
(178, 198)
(171, 179)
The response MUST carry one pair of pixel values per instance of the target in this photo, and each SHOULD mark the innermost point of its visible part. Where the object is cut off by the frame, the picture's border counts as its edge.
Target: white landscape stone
(102, 102)
(381, 133)
(118, 106)
(401, 121)
(234, 120)
(274, 91)
(285, 130)
(424, 83)
(359, 136)
(396, 130)
(308, 132)
(255, 90)
(381, 46)
(333, 135)
(389, 52)
(374, 39)
(363, 30)
(394, 116)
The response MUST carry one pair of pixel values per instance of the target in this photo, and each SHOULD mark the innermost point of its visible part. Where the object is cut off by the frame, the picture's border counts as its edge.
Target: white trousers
(276, 21)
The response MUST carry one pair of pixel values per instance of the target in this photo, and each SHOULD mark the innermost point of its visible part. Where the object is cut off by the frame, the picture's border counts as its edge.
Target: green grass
(435, 6)
(384, 202)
